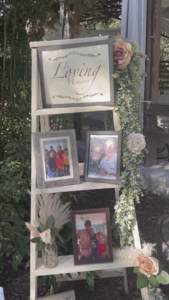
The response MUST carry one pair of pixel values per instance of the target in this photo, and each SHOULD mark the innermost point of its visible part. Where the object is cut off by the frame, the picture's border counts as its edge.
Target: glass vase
(50, 256)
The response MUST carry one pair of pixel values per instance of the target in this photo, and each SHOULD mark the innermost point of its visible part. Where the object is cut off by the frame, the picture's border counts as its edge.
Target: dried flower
(30, 226)
(36, 223)
(35, 234)
(122, 53)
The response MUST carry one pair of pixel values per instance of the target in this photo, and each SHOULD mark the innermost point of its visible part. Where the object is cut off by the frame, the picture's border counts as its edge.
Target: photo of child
(91, 233)
(57, 162)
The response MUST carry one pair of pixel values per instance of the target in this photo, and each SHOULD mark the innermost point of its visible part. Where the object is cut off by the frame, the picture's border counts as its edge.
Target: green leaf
(50, 222)
(79, 273)
(36, 240)
(161, 265)
(40, 246)
(90, 280)
(163, 277)
(42, 227)
(42, 280)
(152, 280)
(69, 275)
(17, 258)
(54, 284)
(95, 275)
(136, 270)
(142, 281)
(54, 231)
(27, 264)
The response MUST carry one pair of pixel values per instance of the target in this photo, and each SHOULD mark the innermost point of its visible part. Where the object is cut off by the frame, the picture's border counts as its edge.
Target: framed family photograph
(103, 156)
(77, 74)
(70, 295)
(56, 158)
(91, 232)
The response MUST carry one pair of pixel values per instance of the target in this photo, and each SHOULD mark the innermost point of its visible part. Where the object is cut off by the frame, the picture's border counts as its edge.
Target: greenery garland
(127, 82)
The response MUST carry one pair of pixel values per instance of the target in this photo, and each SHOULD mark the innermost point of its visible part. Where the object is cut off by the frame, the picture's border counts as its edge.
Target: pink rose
(148, 266)
(122, 53)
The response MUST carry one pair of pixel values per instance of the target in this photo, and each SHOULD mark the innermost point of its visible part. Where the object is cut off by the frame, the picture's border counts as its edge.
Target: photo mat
(57, 160)
(92, 236)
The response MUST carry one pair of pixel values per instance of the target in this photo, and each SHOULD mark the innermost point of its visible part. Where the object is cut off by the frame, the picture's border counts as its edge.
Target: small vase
(50, 256)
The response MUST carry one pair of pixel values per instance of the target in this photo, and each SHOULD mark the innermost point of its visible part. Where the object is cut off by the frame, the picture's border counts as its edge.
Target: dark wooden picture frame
(93, 169)
(62, 174)
(56, 71)
(98, 236)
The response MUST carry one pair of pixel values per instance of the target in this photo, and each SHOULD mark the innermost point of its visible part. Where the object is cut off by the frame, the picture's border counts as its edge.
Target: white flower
(125, 218)
(45, 236)
(136, 142)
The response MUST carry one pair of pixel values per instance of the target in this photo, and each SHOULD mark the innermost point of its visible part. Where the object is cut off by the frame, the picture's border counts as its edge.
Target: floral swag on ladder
(128, 76)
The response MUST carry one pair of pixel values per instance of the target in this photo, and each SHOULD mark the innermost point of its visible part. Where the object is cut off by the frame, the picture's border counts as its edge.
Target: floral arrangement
(149, 269)
(52, 216)
(128, 76)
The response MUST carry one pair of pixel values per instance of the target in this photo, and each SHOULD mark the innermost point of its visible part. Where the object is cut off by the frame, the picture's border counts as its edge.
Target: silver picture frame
(77, 74)
(56, 158)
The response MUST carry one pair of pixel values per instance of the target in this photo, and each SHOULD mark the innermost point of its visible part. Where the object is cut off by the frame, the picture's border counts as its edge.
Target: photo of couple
(91, 231)
(102, 161)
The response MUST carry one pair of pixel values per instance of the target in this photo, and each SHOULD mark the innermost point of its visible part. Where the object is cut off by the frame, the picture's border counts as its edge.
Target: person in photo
(59, 150)
(66, 161)
(52, 164)
(83, 237)
(101, 245)
(93, 243)
(59, 165)
(95, 157)
(108, 165)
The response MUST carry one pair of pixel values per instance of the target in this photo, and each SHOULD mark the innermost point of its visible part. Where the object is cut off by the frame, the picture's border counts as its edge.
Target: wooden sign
(77, 74)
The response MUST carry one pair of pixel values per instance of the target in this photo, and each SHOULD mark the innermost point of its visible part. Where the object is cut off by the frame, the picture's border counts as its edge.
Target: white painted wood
(82, 276)
(78, 187)
(124, 18)
(62, 42)
(34, 96)
(66, 265)
(61, 296)
(70, 110)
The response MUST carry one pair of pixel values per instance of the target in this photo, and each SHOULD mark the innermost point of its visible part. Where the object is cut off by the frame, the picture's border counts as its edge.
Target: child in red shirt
(101, 245)
(59, 165)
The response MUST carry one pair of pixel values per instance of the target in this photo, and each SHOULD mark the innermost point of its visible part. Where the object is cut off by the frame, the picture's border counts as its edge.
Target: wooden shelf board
(70, 110)
(78, 187)
(66, 265)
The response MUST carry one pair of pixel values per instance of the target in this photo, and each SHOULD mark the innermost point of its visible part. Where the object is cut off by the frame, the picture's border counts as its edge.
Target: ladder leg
(121, 244)
(33, 287)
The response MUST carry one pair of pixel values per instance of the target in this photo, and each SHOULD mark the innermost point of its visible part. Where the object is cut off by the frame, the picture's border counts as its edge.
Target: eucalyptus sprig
(127, 84)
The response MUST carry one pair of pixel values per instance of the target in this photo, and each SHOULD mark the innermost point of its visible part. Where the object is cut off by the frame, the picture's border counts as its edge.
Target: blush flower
(35, 234)
(45, 236)
(148, 266)
(122, 53)
(136, 142)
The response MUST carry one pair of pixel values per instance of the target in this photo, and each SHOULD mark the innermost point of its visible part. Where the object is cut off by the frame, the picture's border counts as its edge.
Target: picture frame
(56, 158)
(77, 74)
(70, 295)
(91, 232)
(100, 167)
